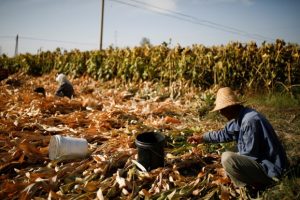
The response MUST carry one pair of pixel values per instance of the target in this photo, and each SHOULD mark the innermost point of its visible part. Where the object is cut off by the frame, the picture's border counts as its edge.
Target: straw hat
(225, 97)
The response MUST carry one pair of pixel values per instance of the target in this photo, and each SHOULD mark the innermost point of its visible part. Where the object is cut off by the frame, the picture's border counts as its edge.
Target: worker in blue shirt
(65, 87)
(260, 157)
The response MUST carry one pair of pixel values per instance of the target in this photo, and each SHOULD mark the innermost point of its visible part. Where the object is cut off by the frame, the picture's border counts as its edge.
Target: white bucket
(61, 147)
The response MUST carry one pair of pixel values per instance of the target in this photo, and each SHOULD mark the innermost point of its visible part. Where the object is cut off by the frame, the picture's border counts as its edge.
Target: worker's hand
(195, 139)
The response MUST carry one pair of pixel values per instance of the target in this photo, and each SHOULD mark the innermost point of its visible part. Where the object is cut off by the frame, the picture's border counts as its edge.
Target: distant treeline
(269, 66)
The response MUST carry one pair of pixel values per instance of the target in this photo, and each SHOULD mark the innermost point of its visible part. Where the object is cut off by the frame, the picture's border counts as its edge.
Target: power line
(192, 19)
(174, 16)
(7, 36)
(200, 20)
(57, 41)
(171, 15)
(47, 40)
(187, 16)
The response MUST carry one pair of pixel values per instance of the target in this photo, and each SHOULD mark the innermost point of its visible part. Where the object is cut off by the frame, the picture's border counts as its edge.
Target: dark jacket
(65, 89)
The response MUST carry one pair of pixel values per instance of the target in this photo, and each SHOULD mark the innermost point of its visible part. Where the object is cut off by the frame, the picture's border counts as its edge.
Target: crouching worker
(65, 87)
(260, 156)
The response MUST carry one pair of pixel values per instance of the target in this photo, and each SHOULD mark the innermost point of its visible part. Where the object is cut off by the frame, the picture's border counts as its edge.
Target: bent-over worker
(261, 156)
(65, 87)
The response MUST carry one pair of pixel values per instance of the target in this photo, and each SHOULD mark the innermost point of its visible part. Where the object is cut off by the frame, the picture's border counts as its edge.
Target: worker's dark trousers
(245, 172)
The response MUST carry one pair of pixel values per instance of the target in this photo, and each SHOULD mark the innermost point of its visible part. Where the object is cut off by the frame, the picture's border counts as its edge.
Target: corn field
(240, 66)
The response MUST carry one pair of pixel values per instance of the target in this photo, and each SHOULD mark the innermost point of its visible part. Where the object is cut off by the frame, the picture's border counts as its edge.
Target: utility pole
(17, 44)
(101, 26)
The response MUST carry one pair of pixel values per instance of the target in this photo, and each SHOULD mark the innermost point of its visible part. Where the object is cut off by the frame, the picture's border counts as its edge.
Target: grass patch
(287, 188)
(276, 100)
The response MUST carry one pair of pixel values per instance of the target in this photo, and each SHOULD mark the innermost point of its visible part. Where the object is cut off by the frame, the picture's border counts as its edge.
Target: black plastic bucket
(150, 147)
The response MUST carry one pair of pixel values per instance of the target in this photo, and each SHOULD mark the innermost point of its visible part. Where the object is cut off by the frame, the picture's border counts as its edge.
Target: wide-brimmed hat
(225, 97)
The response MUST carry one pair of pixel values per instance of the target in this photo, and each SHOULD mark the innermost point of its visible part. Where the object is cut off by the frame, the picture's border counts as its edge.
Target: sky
(43, 25)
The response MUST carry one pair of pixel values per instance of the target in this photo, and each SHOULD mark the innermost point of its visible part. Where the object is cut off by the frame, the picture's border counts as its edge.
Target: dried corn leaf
(140, 166)
(110, 124)
(100, 194)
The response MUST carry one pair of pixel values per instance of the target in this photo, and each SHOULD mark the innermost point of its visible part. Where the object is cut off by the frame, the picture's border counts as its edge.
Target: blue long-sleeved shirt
(255, 138)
